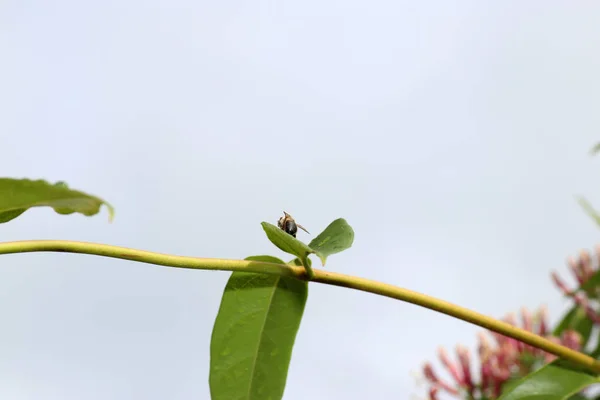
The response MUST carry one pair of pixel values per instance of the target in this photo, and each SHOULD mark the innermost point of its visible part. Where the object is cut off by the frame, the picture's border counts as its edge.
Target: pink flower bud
(433, 393)
(527, 322)
(429, 373)
(560, 284)
(571, 339)
(483, 349)
(435, 381)
(526, 319)
(575, 267)
(542, 318)
(486, 374)
(587, 269)
(450, 366)
(582, 301)
(511, 319)
(465, 364)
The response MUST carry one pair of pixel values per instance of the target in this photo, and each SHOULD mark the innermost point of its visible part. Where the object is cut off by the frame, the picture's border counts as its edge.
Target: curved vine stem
(321, 276)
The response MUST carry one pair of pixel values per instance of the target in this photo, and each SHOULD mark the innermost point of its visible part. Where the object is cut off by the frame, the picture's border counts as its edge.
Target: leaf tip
(323, 258)
(111, 213)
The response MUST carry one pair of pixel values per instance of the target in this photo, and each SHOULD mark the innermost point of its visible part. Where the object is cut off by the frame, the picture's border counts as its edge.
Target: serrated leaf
(575, 319)
(19, 195)
(254, 334)
(337, 237)
(558, 380)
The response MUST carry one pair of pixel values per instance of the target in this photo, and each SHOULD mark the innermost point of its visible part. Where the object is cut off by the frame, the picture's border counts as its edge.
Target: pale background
(453, 136)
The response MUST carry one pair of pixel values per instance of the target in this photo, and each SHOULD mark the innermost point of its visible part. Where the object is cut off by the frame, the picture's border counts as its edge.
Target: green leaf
(595, 150)
(286, 242)
(587, 207)
(254, 334)
(577, 320)
(578, 397)
(512, 382)
(337, 237)
(19, 195)
(592, 283)
(558, 380)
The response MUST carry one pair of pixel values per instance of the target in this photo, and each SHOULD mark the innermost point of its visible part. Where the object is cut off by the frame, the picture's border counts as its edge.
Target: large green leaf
(286, 242)
(19, 195)
(558, 380)
(254, 334)
(337, 237)
(577, 320)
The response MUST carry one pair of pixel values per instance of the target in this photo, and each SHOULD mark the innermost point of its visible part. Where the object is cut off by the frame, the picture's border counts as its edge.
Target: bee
(288, 225)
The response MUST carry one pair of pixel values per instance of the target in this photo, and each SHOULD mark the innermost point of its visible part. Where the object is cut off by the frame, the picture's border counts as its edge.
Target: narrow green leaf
(577, 320)
(19, 195)
(254, 334)
(587, 207)
(286, 242)
(337, 237)
(558, 380)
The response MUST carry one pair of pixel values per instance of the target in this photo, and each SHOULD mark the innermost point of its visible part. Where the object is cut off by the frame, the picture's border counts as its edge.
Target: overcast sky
(453, 137)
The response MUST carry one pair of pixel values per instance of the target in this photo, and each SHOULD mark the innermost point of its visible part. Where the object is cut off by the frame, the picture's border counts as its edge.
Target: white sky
(452, 136)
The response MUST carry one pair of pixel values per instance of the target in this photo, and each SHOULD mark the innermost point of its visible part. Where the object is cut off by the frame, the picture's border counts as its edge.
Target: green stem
(321, 276)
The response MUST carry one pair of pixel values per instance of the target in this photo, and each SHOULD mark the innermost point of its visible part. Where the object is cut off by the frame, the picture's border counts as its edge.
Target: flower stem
(320, 276)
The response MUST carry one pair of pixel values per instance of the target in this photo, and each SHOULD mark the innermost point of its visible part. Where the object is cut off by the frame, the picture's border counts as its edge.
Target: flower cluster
(500, 358)
(583, 268)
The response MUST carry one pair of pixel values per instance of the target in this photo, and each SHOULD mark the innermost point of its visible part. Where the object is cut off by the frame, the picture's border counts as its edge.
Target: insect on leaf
(254, 334)
(289, 244)
(19, 195)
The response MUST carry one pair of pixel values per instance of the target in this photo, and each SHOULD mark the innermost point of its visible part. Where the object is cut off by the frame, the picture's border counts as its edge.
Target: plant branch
(321, 276)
